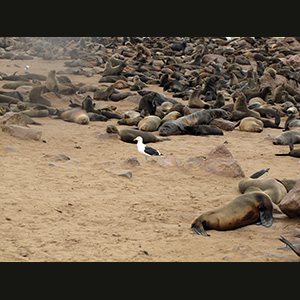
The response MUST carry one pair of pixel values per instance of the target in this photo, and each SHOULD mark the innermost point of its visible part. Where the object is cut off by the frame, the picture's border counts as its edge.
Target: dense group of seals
(244, 84)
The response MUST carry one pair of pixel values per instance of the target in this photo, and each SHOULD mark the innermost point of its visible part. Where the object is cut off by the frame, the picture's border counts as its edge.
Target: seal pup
(128, 135)
(76, 115)
(252, 207)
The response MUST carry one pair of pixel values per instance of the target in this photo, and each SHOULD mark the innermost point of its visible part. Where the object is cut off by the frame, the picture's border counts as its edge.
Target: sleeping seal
(249, 208)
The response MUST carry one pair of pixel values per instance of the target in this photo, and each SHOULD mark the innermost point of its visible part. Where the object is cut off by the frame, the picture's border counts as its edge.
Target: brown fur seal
(76, 115)
(293, 152)
(241, 105)
(195, 100)
(173, 115)
(203, 130)
(251, 124)
(203, 116)
(128, 135)
(104, 94)
(110, 70)
(147, 105)
(150, 123)
(53, 86)
(273, 188)
(35, 96)
(36, 113)
(292, 123)
(249, 208)
(130, 121)
(285, 137)
(172, 127)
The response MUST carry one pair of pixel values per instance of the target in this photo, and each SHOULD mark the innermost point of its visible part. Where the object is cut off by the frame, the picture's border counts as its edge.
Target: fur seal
(104, 94)
(293, 152)
(275, 189)
(172, 127)
(173, 115)
(8, 99)
(203, 116)
(249, 208)
(195, 100)
(292, 123)
(53, 86)
(203, 130)
(134, 121)
(113, 71)
(285, 137)
(150, 123)
(35, 96)
(128, 135)
(147, 105)
(76, 115)
(251, 124)
(241, 105)
(36, 113)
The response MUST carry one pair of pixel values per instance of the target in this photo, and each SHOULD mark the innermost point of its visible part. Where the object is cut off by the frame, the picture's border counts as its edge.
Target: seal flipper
(284, 240)
(199, 229)
(259, 173)
(266, 216)
(277, 117)
(291, 144)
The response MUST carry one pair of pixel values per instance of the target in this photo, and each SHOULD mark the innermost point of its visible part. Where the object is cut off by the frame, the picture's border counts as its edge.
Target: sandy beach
(76, 210)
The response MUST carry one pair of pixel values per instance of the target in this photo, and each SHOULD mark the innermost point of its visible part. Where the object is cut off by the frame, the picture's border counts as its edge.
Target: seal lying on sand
(172, 127)
(275, 189)
(293, 152)
(128, 135)
(203, 116)
(76, 115)
(285, 137)
(250, 208)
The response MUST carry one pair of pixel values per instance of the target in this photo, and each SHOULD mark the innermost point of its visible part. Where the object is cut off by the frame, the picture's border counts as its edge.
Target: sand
(74, 210)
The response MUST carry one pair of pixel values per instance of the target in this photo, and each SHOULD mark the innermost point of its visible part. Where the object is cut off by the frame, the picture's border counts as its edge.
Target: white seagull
(146, 150)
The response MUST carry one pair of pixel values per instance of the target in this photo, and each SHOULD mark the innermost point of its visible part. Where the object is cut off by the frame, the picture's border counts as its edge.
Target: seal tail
(284, 240)
(259, 173)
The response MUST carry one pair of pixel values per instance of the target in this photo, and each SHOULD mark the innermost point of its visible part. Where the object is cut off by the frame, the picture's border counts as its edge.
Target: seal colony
(252, 83)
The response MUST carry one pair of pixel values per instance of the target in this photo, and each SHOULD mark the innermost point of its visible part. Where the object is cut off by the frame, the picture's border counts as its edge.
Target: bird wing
(151, 151)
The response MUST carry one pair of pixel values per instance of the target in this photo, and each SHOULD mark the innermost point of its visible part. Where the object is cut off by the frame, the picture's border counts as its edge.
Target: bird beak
(134, 139)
